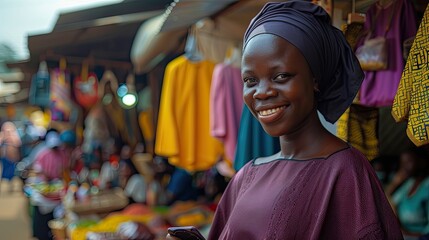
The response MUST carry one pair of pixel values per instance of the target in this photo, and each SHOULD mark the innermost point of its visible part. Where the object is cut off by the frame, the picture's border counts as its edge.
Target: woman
(317, 187)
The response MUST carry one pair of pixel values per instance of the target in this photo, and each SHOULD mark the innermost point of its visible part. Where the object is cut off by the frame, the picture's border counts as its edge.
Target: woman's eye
(249, 80)
(282, 77)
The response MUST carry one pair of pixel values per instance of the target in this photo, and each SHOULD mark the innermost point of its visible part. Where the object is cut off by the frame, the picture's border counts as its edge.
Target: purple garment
(226, 102)
(338, 197)
(379, 88)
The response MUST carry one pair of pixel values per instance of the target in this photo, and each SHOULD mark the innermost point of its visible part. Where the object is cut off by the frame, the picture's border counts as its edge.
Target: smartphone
(185, 233)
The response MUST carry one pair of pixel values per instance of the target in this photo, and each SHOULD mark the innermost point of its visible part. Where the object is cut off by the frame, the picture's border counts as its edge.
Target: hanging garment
(144, 106)
(183, 131)
(358, 126)
(60, 96)
(392, 138)
(379, 87)
(411, 100)
(40, 87)
(226, 102)
(86, 90)
(253, 141)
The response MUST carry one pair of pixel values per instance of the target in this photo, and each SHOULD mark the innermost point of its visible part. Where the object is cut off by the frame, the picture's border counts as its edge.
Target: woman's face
(278, 84)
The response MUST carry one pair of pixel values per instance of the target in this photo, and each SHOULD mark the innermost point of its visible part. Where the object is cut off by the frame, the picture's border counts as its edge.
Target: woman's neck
(310, 140)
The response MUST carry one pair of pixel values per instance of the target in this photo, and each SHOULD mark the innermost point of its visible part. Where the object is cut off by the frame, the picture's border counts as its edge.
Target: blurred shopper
(10, 143)
(51, 162)
(410, 193)
(129, 179)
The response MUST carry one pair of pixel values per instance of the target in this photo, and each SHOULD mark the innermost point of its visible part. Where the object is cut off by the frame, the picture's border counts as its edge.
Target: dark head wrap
(332, 61)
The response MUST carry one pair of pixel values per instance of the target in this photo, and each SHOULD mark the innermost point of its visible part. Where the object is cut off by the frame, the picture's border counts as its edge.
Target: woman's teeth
(270, 111)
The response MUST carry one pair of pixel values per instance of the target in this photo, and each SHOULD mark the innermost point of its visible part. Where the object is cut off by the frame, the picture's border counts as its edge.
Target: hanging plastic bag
(372, 55)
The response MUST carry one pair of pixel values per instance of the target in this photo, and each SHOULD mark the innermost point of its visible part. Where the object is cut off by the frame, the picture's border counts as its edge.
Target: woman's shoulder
(348, 157)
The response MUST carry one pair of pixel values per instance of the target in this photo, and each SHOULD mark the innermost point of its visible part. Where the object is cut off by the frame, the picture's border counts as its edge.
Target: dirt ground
(14, 216)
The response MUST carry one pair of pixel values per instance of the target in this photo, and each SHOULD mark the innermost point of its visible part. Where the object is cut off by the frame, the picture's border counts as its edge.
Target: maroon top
(338, 197)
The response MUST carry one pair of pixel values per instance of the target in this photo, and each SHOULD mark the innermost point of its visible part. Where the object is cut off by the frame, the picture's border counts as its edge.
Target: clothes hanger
(191, 48)
(234, 57)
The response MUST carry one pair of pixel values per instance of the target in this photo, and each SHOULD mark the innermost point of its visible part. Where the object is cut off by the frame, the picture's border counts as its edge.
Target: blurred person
(32, 143)
(130, 180)
(68, 139)
(26, 163)
(10, 144)
(181, 187)
(410, 193)
(52, 162)
(109, 169)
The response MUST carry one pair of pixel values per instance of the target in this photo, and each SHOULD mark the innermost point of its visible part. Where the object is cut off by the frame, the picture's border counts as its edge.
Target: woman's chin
(273, 131)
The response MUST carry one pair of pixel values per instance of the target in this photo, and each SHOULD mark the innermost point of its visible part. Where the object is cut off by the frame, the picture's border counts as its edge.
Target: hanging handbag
(373, 54)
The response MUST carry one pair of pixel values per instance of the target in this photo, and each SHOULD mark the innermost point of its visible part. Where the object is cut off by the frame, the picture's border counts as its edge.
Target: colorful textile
(253, 141)
(413, 211)
(61, 104)
(338, 197)
(39, 94)
(379, 87)
(330, 58)
(411, 101)
(52, 163)
(358, 126)
(226, 102)
(108, 224)
(183, 131)
(146, 116)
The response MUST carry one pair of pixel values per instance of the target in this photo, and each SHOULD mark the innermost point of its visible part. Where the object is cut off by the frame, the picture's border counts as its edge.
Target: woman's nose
(264, 90)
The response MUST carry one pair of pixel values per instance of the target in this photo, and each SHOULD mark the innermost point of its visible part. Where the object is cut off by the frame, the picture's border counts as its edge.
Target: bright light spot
(129, 100)
(122, 90)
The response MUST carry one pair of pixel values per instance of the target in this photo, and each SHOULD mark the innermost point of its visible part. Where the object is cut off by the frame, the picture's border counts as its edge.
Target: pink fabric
(379, 88)
(226, 102)
(338, 197)
(51, 163)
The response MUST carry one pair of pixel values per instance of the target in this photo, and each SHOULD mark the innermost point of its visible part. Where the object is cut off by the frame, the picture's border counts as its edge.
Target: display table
(101, 203)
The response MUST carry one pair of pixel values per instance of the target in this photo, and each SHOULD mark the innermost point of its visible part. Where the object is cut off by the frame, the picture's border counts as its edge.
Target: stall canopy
(163, 33)
(103, 33)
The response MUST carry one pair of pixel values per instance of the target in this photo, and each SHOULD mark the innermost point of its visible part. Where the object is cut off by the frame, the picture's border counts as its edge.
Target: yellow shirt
(183, 131)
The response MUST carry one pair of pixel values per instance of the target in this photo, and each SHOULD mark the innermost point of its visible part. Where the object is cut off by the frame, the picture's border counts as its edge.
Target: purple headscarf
(331, 60)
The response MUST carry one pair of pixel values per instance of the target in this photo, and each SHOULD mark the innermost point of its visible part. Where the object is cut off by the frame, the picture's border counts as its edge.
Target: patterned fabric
(60, 96)
(411, 100)
(358, 126)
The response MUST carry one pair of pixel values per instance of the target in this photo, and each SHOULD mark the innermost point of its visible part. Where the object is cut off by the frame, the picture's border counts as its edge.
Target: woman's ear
(316, 86)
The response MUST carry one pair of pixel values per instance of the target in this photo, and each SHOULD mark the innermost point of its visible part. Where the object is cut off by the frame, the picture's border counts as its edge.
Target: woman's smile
(271, 114)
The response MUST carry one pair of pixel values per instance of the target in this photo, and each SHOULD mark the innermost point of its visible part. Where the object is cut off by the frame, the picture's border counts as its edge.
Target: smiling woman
(279, 86)
(317, 187)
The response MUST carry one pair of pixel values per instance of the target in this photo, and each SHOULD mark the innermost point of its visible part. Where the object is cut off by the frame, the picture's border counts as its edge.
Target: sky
(20, 18)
